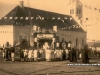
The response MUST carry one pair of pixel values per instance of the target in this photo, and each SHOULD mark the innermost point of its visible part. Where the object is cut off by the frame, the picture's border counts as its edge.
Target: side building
(87, 16)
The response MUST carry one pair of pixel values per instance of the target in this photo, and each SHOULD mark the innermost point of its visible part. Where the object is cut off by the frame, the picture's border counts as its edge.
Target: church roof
(25, 16)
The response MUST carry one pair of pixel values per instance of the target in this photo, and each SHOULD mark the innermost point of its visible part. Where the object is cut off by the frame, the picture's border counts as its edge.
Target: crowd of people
(24, 55)
(71, 54)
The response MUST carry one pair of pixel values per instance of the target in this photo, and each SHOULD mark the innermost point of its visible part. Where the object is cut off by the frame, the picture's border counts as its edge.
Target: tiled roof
(20, 16)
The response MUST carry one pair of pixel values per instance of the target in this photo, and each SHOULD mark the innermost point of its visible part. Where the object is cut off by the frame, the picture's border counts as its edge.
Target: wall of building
(75, 8)
(79, 10)
(88, 15)
(89, 18)
(6, 34)
(22, 31)
(72, 36)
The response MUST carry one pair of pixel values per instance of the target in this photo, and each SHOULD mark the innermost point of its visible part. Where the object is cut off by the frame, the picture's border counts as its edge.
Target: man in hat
(85, 58)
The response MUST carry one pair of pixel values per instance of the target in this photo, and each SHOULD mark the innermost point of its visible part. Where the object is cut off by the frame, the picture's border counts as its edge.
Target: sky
(59, 6)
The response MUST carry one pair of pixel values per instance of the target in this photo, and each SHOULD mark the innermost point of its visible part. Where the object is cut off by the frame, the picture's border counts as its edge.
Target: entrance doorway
(43, 41)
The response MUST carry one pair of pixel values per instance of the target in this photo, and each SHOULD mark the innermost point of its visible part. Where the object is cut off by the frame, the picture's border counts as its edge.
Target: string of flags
(36, 18)
(91, 7)
(39, 17)
(42, 18)
(93, 40)
(73, 26)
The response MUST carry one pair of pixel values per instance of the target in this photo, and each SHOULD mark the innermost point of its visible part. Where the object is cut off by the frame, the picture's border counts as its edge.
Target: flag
(85, 5)
(39, 16)
(99, 10)
(65, 18)
(74, 26)
(53, 18)
(58, 18)
(26, 18)
(10, 17)
(21, 17)
(62, 20)
(70, 18)
(79, 26)
(16, 17)
(95, 8)
(42, 18)
(32, 17)
(5, 17)
(89, 7)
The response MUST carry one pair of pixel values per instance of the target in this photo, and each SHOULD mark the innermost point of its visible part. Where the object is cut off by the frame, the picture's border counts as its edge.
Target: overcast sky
(59, 6)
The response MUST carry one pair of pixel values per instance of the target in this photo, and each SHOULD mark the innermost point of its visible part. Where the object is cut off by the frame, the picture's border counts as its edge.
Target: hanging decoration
(39, 17)
(42, 18)
(26, 18)
(21, 17)
(59, 18)
(5, 17)
(16, 17)
(53, 18)
(10, 17)
(70, 18)
(65, 18)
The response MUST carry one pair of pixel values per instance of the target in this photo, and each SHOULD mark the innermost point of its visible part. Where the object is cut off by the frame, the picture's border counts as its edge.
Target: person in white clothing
(3, 52)
(25, 55)
(35, 55)
(30, 55)
(67, 54)
(48, 54)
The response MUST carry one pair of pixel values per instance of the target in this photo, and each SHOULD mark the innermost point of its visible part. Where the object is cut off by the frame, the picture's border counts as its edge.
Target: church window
(71, 11)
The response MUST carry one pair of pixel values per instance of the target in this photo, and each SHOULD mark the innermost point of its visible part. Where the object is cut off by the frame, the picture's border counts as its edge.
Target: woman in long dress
(48, 54)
